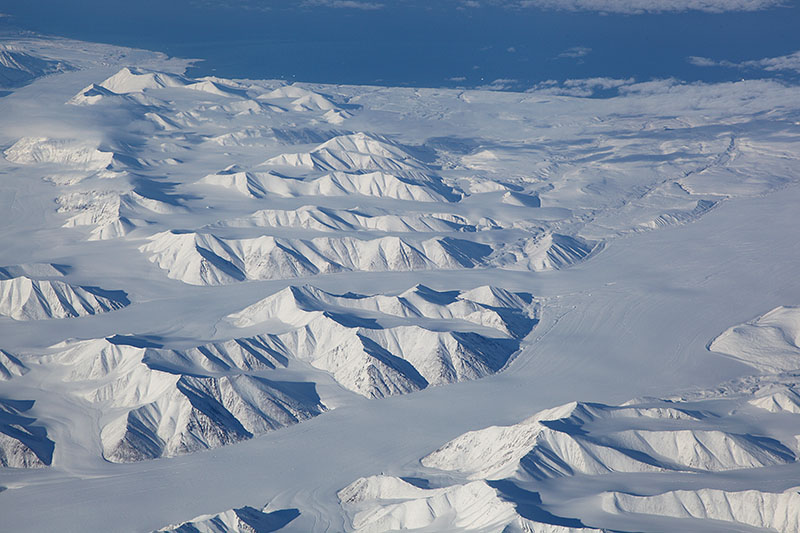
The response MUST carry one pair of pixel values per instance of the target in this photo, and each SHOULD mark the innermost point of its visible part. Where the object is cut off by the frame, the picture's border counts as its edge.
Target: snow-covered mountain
(554, 443)
(204, 259)
(111, 214)
(759, 509)
(26, 298)
(514, 474)
(384, 345)
(17, 67)
(160, 402)
(413, 186)
(23, 442)
(332, 220)
(242, 520)
(386, 503)
(10, 366)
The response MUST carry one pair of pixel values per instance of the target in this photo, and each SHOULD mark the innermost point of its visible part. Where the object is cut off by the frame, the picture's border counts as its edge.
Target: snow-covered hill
(554, 443)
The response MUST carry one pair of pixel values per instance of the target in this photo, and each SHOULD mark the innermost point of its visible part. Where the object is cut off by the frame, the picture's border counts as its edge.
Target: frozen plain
(682, 200)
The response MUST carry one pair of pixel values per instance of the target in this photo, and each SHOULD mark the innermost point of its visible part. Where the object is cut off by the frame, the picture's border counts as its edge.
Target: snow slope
(204, 259)
(769, 342)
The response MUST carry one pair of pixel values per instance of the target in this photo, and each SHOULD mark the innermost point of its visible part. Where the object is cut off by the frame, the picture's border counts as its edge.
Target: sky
(499, 44)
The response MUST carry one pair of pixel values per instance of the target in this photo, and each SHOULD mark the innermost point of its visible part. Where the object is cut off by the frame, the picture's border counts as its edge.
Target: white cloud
(575, 52)
(581, 87)
(511, 49)
(345, 4)
(790, 62)
(648, 6)
(500, 84)
(702, 61)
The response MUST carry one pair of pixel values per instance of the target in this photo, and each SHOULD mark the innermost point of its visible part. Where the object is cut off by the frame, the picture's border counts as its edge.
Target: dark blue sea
(433, 44)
